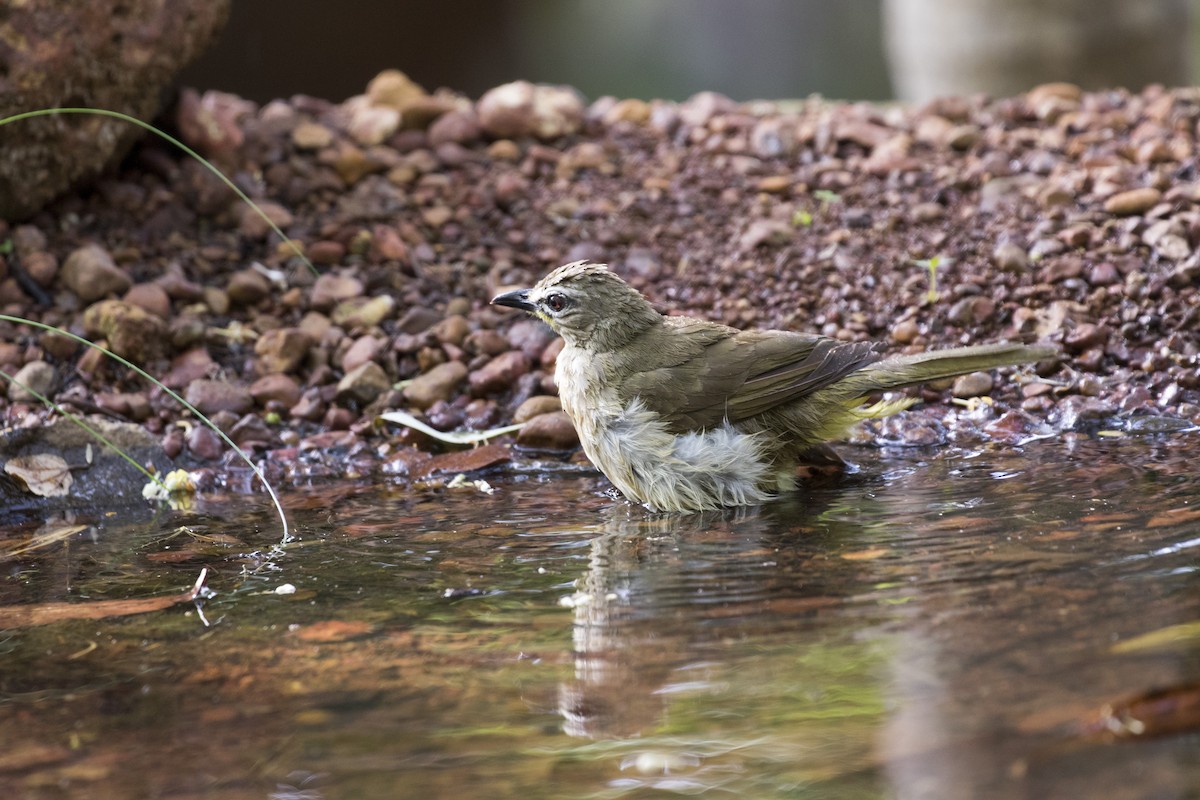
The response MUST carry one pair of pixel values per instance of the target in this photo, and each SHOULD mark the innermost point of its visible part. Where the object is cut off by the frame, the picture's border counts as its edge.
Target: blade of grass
(104, 112)
(175, 395)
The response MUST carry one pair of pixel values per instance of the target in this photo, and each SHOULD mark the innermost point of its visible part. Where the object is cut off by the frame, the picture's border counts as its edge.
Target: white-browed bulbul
(684, 414)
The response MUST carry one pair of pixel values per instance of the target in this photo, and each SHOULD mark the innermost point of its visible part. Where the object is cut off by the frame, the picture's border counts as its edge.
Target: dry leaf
(43, 474)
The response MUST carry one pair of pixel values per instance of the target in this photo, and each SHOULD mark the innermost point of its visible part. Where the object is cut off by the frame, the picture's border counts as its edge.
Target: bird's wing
(700, 374)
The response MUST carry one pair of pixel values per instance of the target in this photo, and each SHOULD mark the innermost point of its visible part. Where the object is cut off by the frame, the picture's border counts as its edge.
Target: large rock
(100, 478)
(118, 55)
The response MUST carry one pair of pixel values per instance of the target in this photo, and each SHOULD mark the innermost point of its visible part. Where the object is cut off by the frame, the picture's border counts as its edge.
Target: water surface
(942, 624)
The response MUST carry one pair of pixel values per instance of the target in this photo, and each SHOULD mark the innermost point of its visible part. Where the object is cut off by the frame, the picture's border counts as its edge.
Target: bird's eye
(556, 302)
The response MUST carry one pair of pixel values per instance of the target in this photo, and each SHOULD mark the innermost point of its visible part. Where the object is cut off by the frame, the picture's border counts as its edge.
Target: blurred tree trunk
(1003, 47)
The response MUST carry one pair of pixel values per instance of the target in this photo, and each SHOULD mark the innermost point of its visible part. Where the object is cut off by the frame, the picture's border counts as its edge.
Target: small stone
(552, 431)
(928, 212)
(499, 374)
(282, 350)
(42, 267)
(364, 349)
(504, 150)
(775, 184)
(247, 287)
(203, 443)
(394, 89)
(1061, 269)
(1103, 274)
(37, 376)
(277, 388)
(210, 396)
(250, 430)
(150, 297)
(310, 407)
(628, 110)
(1134, 201)
(386, 245)
(521, 109)
(62, 348)
(1085, 336)
(326, 252)
(487, 342)
(536, 406)
(452, 330)
(1058, 90)
(975, 384)
(369, 124)
(473, 460)
(418, 320)
(253, 226)
(765, 232)
(531, 337)
(1009, 257)
(457, 127)
(132, 332)
(358, 314)
(1035, 389)
(1173, 248)
(905, 332)
(217, 300)
(774, 137)
(91, 274)
(437, 384)
(963, 137)
(973, 310)
(332, 288)
(437, 216)
(363, 384)
(311, 136)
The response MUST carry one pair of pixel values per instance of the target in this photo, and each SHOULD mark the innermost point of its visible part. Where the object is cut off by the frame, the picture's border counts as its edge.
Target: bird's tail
(908, 370)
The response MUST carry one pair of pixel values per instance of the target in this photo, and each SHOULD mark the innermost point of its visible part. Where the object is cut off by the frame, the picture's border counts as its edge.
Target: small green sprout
(931, 266)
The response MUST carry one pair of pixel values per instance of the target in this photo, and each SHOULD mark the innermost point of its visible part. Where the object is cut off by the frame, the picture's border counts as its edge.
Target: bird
(684, 414)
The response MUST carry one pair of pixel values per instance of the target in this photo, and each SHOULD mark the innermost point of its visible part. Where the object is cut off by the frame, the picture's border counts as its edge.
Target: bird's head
(587, 305)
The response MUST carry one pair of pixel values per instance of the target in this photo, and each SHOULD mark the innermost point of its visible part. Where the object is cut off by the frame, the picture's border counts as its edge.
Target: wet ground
(956, 623)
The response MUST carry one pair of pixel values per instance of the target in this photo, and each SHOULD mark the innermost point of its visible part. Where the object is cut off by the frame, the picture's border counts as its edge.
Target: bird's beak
(515, 299)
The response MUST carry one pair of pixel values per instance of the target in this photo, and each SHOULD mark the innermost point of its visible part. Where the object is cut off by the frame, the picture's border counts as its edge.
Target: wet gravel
(1058, 215)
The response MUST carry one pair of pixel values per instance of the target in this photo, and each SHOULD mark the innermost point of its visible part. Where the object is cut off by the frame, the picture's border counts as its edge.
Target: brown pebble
(905, 331)
(477, 458)
(204, 443)
(150, 297)
(278, 387)
(499, 373)
(535, 406)
(210, 396)
(437, 384)
(363, 384)
(451, 330)
(91, 274)
(42, 267)
(247, 287)
(552, 431)
(364, 349)
(282, 350)
(1133, 201)
(975, 384)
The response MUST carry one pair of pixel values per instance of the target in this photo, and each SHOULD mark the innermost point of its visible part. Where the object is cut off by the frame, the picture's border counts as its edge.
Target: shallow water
(941, 624)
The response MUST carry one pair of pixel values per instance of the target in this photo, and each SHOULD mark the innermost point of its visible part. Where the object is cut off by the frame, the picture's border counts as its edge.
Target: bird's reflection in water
(662, 590)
